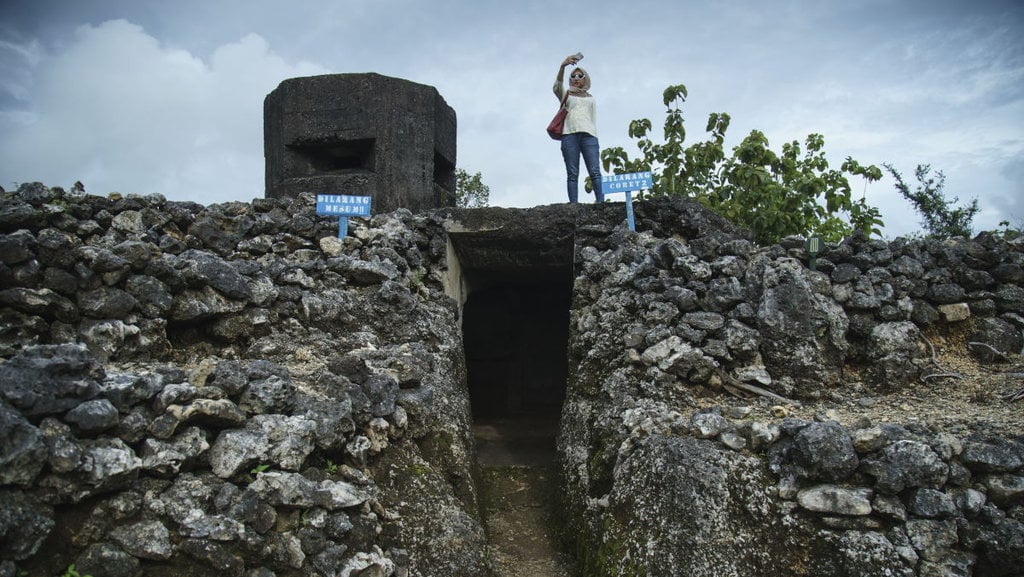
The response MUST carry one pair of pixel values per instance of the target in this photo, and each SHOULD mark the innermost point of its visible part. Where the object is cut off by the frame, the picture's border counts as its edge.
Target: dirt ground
(518, 490)
(956, 394)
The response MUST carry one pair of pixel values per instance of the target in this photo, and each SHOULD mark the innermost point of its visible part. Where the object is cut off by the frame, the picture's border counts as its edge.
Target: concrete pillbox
(360, 134)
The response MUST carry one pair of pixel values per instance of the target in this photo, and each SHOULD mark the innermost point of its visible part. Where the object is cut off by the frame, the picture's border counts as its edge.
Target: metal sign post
(813, 248)
(627, 183)
(343, 206)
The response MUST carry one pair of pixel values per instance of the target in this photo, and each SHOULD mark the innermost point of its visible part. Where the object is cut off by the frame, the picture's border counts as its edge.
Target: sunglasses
(577, 76)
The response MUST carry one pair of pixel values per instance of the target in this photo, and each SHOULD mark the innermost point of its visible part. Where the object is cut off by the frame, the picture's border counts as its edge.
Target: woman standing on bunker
(580, 133)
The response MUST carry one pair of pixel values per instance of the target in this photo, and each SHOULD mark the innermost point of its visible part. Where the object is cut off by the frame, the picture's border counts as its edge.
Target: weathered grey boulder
(201, 304)
(895, 352)
(201, 269)
(167, 457)
(107, 559)
(269, 389)
(835, 500)
(437, 527)
(110, 338)
(673, 355)
(126, 390)
(825, 451)
(329, 406)
(215, 413)
(152, 296)
(280, 440)
(17, 247)
(93, 416)
(22, 452)
(996, 339)
(803, 332)
(382, 394)
(709, 425)
(107, 464)
(24, 524)
(49, 379)
(145, 540)
(43, 302)
(1006, 491)
(294, 490)
(106, 303)
(362, 272)
(931, 504)
(994, 455)
(214, 555)
(222, 229)
(905, 464)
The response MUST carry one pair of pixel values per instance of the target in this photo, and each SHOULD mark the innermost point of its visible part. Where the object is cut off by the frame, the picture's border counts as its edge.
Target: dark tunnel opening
(516, 336)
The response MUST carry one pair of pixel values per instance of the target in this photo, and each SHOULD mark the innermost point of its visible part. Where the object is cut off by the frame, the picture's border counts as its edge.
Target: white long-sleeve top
(582, 116)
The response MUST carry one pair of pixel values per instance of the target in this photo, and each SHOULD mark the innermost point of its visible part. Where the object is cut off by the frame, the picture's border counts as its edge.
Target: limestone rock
(50, 379)
(894, 349)
(282, 441)
(93, 416)
(145, 540)
(802, 332)
(835, 500)
(22, 451)
(24, 524)
(294, 490)
(905, 464)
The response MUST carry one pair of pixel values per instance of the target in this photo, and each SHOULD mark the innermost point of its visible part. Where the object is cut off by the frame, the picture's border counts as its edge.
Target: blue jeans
(572, 146)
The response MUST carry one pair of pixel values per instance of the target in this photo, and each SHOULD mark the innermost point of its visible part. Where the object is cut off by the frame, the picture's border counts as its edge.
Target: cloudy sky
(153, 96)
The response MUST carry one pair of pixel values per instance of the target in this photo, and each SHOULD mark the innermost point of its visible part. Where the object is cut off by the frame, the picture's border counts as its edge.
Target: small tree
(938, 216)
(470, 191)
(774, 195)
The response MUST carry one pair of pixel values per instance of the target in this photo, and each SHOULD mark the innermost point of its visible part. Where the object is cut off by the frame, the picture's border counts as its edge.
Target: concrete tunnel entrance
(512, 270)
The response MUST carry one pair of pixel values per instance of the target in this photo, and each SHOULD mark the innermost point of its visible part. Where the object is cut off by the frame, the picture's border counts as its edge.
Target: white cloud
(17, 60)
(175, 106)
(120, 112)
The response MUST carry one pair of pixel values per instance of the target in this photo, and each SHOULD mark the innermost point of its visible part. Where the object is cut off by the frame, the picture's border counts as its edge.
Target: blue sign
(612, 183)
(627, 183)
(343, 206)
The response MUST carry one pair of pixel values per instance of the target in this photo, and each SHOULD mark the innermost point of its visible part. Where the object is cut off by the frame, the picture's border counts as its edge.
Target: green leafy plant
(255, 471)
(1011, 232)
(416, 278)
(72, 572)
(938, 215)
(470, 190)
(794, 192)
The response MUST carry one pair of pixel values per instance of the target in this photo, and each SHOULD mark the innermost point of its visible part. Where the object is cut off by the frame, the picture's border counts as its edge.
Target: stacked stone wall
(667, 474)
(231, 389)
